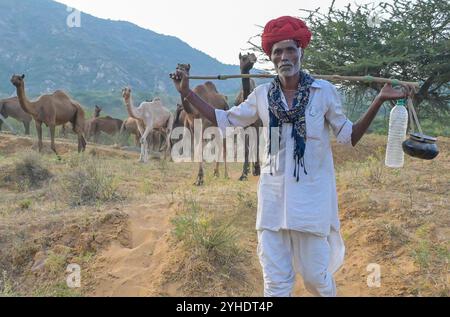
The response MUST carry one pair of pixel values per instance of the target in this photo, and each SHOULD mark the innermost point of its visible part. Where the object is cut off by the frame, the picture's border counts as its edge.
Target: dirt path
(135, 271)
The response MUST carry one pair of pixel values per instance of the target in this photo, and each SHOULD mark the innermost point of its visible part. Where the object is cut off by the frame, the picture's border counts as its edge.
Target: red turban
(285, 28)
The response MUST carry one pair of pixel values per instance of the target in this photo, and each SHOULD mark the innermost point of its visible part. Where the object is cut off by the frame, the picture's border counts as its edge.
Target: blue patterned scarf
(279, 115)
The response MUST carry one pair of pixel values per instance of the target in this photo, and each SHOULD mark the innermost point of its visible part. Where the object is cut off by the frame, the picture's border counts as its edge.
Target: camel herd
(150, 122)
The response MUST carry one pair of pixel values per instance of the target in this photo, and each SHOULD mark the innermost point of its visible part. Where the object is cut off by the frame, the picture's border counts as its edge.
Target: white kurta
(309, 205)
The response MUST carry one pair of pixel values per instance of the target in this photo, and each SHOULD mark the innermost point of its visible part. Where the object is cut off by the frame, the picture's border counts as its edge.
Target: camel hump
(60, 93)
(200, 90)
(211, 87)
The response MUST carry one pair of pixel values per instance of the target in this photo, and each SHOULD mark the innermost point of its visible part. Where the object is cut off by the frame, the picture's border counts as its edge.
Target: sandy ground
(396, 220)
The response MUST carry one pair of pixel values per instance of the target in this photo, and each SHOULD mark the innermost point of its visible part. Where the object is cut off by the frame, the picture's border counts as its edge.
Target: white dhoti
(284, 253)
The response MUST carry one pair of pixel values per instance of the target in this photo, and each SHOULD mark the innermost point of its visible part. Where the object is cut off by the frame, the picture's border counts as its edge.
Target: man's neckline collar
(316, 84)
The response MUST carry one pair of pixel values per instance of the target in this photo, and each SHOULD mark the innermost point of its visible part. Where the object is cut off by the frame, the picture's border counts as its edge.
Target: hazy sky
(219, 28)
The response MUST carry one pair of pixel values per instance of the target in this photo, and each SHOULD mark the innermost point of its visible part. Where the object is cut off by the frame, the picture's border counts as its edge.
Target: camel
(52, 110)
(209, 93)
(87, 123)
(108, 125)
(248, 85)
(151, 116)
(179, 120)
(130, 126)
(10, 107)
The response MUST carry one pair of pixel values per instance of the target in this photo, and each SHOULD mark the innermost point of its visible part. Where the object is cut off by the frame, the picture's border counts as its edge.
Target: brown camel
(108, 125)
(87, 124)
(152, 116)
(52, 110)
(179, 120)
(209, 93)
(130, 126)
(10, 107)
(180, 116)
(248, 85)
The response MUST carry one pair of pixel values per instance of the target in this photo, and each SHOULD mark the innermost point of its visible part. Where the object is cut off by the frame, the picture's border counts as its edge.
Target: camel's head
(247, 61)
(126, 93)
(97, 110)
(17, 80)
(184, 67)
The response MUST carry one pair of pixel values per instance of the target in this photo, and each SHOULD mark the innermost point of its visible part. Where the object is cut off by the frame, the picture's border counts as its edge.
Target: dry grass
(396, 218)
(211, 243)
(89, 182)
(28, 172)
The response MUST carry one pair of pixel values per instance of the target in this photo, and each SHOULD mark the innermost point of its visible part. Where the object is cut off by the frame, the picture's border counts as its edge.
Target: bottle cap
(401, 102)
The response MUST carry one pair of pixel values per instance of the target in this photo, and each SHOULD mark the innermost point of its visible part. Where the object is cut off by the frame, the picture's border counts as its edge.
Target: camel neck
(131, 109)
(187, 106)
(23, 100)
(245, 85)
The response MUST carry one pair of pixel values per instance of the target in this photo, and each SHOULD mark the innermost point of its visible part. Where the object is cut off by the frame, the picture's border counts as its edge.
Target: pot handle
(413, 117)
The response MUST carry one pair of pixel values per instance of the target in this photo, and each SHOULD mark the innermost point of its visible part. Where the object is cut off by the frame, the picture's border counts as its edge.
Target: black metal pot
(421, 146)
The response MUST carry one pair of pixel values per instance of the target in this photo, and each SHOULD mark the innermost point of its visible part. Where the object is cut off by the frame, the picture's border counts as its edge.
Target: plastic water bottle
(398, 124)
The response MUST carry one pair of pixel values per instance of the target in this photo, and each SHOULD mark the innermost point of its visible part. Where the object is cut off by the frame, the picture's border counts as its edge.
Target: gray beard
(295, 69)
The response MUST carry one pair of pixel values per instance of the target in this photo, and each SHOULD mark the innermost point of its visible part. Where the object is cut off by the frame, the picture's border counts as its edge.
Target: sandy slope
(380, 225)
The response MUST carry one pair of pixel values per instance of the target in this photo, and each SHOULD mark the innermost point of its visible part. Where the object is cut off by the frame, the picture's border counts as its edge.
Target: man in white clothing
(298, 224)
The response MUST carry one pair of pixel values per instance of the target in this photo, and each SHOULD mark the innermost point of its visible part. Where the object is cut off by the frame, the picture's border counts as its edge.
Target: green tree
(407, 40)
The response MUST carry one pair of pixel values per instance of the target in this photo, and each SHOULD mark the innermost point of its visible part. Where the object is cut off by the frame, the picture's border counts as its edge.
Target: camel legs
(246, 168)
(256, 165)
(141, 158)
(168, 147)
(225, 158)
(200, 180)
(81, 143)
(216, 170)
(2, 117)
(256, 168)
(27, 127)
(144, 145)
(1, 121)
(141, 132)
(39, 134)
(155, 144)
(52, 140)
(198, 149)
(63, 131)
(224, 153)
